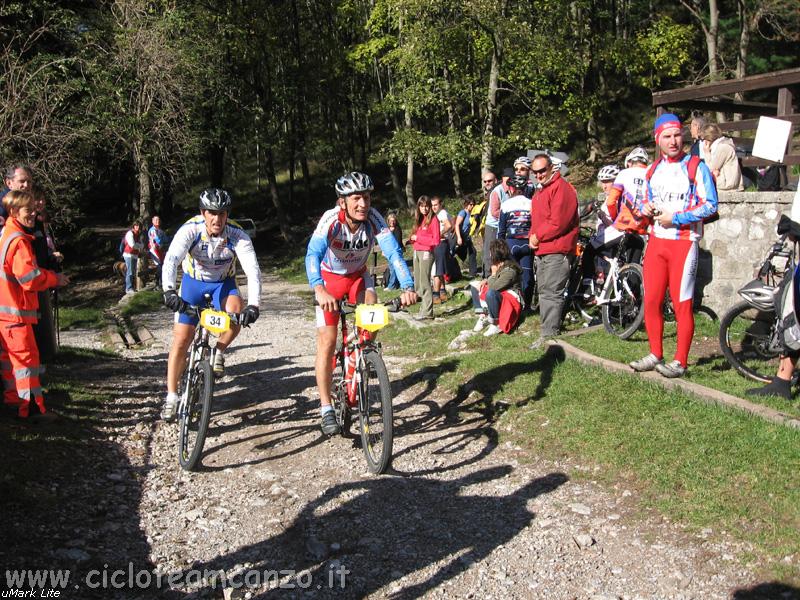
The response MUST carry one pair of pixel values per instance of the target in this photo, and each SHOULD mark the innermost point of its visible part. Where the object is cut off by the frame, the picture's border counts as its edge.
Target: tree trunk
(592, 140)
(451, 127)
(397, 187)
(487, 153)
(145, 208)
(280, 213)
(216, 158)
(409, 169)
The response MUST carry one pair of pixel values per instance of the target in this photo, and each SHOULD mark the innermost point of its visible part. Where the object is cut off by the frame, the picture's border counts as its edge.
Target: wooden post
(784, 109)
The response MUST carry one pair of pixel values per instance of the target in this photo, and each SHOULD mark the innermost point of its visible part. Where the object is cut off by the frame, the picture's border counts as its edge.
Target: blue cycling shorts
(192, 291)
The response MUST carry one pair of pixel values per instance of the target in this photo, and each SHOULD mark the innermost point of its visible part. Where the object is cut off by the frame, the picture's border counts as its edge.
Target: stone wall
(734, 246)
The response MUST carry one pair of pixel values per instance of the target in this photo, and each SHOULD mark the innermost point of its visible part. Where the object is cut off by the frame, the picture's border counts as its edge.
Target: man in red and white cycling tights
(336, 266)
(678, 206)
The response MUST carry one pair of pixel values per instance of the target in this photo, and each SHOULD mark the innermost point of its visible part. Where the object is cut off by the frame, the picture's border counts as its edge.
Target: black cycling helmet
(215, 199)
(353, 183)
(518, 182)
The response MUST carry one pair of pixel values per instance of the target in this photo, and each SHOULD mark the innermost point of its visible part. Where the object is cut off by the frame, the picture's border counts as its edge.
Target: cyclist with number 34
(207, 247)
(336, 261)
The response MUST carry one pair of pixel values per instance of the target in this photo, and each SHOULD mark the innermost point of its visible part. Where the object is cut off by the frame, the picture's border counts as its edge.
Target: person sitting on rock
(499, 296)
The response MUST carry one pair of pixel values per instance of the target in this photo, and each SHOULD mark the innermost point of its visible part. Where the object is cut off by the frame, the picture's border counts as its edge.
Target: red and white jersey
(670, 189)
(333, 248)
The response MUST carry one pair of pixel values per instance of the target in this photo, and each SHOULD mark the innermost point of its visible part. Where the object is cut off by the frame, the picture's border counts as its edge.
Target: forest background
(126, 107)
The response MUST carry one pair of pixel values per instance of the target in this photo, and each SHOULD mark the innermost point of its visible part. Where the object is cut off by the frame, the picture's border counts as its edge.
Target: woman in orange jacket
(20, 280)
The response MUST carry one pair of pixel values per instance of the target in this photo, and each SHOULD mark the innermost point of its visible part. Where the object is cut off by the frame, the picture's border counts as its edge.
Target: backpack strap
(652, 169)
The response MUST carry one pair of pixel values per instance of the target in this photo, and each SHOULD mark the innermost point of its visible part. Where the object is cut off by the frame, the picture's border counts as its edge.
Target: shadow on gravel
(767, 591)
(249, 389)
(368, 534)
(468, 417)
(69, 497)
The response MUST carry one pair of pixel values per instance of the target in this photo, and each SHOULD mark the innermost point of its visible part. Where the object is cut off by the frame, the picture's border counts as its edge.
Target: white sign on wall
(772, 137)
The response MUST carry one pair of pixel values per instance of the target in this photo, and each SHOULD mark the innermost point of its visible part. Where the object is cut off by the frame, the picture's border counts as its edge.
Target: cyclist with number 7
(207, 247)
(336, 261)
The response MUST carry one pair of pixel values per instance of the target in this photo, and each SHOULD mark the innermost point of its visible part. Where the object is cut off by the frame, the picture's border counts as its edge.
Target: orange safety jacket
(20, 276)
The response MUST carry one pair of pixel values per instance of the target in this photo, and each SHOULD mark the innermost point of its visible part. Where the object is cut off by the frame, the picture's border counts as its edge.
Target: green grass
(711, 369)
(701, 465)
(80, 318)
(146, 301)
(292, 270)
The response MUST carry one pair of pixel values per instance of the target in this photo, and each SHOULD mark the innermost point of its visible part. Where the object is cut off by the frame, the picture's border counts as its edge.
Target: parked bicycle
(749, 335)
(360, 383)
(197, 385)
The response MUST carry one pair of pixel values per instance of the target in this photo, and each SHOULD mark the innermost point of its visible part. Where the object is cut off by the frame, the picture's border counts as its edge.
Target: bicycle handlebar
(194, 311)
(394, 305)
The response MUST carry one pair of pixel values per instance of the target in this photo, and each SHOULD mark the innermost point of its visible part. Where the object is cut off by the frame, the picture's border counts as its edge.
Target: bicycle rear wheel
(745, 338)
(624, 315)
(375, 408)
(193, 419)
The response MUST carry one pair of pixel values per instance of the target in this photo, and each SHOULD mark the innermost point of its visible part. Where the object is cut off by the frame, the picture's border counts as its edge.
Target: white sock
(172, 397)
(325, 408)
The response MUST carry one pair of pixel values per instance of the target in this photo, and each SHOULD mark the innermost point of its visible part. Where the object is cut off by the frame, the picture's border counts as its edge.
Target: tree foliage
(144, 97)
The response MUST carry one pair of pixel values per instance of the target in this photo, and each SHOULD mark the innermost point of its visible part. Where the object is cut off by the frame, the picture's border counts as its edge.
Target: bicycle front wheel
(623, 315)
(745, 338)
(195, 415)
(375, 408)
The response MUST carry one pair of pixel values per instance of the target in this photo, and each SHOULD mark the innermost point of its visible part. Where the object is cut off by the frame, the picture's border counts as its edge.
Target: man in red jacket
(553, 237)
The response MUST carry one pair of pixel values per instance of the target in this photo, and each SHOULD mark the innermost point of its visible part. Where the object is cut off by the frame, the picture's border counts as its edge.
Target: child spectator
(442, 251)
(465, 249)
(500, 295)
(425, 237)
(392, 282)
(132, 248)
(157, 247)
(19, 304)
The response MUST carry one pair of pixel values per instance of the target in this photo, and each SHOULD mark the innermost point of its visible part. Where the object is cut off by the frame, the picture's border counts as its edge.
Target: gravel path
(460, 516)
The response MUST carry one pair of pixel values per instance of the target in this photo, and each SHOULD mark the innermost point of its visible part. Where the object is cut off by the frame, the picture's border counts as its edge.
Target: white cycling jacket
(212, 259)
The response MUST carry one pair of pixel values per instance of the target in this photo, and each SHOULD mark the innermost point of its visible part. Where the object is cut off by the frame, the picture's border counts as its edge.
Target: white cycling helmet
(638, 154)
(524, 161)
(353, 183)
(608, 173)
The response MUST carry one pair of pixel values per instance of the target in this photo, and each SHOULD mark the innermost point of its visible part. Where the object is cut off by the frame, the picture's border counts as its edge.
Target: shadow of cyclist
(382, 530)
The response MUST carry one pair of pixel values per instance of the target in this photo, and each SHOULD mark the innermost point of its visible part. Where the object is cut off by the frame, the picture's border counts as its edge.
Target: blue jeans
(524, 259)
(493, 301)
(130, 272)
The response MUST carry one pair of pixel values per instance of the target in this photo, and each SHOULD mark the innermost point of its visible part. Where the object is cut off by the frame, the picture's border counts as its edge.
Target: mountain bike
(621, 299)
(749, 334)
(197, 384)
(360, 383)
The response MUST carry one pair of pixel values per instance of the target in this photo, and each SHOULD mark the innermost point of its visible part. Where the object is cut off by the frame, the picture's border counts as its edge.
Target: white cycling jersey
(212, 259)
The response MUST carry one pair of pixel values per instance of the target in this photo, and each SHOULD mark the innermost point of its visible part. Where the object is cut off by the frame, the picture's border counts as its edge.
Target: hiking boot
(443, 296)
(480, 323)
(329, 424)
(648, 363)
(492, 330)
(437, 299)
(781, 388)
(219, 365)
(671, 369)
(170, 408)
